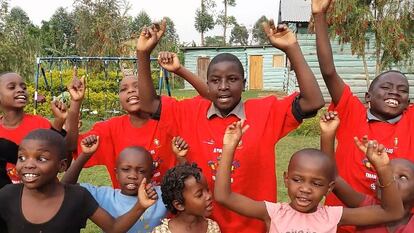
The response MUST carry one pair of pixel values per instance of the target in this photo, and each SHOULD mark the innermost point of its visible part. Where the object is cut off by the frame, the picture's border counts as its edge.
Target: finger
(370, 149)
(245, 128)
(266, 28)
(359, 144)
(143, 183)
(75, 71)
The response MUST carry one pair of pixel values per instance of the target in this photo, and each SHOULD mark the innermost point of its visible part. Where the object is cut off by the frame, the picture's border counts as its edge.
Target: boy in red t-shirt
(136, 128)
(202, 122)
(15, 124)
(388, 119)
(403, 173)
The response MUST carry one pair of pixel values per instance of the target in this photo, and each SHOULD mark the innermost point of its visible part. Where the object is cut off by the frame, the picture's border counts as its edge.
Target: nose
(132, 175)
(223, 85)
(304, 188)
(29, 164)
(209, 195)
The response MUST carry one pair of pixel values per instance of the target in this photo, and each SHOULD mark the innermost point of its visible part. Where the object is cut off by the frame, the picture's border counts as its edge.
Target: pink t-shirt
(284, 219)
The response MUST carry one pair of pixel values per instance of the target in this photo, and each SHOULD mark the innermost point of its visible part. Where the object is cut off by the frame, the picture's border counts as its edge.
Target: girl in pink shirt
(310, 177)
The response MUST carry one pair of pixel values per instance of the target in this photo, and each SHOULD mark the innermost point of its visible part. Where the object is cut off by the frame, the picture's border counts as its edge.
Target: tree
(141, 20)
(101, 26)
(170, 40)
(214, 41)
(204, 21)
(239, 35)
(58, 34)
(390, 24)
(224, 20)
(258, 35)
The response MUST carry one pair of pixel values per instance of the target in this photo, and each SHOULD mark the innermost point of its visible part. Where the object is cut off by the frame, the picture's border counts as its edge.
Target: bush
(310, 127)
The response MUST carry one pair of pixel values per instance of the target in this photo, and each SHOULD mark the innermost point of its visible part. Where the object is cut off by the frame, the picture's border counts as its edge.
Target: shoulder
(76, 190)
(212, 226)
(163, 227)
(10, 191)
(38, 120)
(274, 208)
(331, 214)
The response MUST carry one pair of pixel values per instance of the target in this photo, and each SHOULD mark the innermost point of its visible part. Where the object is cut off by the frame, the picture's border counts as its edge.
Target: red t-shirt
(117, 133)
(16, 135)
(351, 162)
(253, 171)
(369, 201)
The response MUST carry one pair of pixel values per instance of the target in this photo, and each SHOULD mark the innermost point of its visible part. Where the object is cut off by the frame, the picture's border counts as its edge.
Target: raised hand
(320, 6)
(147, 195)
(169, 61)
(376, 155)
(280, 37)
(59, 110)
(233, 133)
(179, 147)
(77, 87)
(329, 122)
(90, 144)
(150, 36)
(362, 144)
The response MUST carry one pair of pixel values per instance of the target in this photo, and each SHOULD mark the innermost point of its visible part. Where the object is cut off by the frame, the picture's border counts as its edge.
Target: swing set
(46, 65)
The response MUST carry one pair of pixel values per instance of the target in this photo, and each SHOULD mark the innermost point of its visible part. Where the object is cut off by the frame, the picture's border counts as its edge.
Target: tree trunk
(364, 60)
(225, 23)
(202, 38)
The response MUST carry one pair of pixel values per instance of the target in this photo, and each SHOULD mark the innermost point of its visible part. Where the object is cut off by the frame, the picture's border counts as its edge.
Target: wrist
(319, 13)
(292, 48)
(143, 53)
(179, 70)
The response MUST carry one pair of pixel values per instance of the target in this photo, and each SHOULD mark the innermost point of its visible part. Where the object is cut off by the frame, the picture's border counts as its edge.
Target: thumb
(143, 183)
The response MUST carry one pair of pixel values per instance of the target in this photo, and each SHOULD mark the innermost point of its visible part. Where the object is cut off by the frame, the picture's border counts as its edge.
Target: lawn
(285, 148)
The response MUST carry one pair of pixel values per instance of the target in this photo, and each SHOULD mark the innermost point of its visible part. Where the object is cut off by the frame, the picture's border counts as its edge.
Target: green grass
(285, 148)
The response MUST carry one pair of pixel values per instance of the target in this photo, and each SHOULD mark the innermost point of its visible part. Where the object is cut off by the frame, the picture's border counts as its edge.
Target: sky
(182, 12)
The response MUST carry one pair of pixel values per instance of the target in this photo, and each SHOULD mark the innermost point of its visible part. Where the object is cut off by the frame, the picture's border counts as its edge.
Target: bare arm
(147, 41)
(282, 38)
(89, 145)
(146, 196)
(391, 208)
(170, 62)
(222, 187)
(332, 80)
(329, 123)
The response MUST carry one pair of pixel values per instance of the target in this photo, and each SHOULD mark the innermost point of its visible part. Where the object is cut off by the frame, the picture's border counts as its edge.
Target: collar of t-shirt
(238, 111)
(371, 117)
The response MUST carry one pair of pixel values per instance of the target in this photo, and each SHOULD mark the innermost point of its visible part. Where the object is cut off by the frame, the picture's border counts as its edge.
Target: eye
(318, 184)
(233, 79)
(403, 178)
(141, 171)
(385, 87)
(21, 158)
(125, 169)
(23, 86)
(42, 159)
(122, 89)
(296, 179)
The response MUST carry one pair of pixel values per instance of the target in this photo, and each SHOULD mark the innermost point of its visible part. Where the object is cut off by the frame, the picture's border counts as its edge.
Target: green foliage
(259, 36)
(389, 23)
(139, 22)
(204, 20)
(214, 41)
(310, 127)
(239, 35)
(224, 19)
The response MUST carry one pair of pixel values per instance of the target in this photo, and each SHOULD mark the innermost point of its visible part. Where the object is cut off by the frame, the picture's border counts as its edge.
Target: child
(310, 176)
(136, 128)
(46, 205)
(389, 118)
(15, 124)
(202, 122)
(186, 195)
(132, 166)
(403, 172)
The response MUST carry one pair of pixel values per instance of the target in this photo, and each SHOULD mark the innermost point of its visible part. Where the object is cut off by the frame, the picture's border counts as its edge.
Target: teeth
(133, 99)
(21, 97)
(392, 102)
(131, 186)
(30, 175)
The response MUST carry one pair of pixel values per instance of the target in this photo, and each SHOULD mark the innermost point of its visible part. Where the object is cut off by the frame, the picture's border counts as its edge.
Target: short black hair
(315, 153)
(375, 80)
(223, 57)
(53, 139)
(138, 149)
(172, 184)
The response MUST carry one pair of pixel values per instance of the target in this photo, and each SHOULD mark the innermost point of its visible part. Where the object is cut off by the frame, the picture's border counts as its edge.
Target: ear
(285, 179)
(116, 173)
(63, 165)
(331, 187)
(178, 206)
(367, 97)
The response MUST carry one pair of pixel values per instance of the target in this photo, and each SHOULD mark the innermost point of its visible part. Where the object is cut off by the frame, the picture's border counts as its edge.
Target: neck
(46, 191)
(12, 118)
(138, 119)
(189, 220)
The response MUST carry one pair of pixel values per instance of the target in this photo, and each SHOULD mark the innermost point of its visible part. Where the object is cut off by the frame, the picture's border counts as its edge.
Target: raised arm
(147, 41)
(60, 114)
(170, 62)
(89, 145)
(222, 187)
(77, 92)
(180, 148)
(329, 123)
(147, 196)
(391, 208)
(333, 81)
(311, 98)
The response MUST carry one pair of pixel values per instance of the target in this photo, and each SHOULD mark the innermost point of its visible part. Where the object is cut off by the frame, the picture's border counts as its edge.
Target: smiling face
(388, 95)
(197, 196)
(225, 80)
(128, 94)
(13, 91)
(133, 165)
(309, 178)
(38, 163)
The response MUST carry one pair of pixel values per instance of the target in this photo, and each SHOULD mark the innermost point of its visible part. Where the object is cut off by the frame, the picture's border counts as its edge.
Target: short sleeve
(334, 214)
(272, 208)
(89, 204)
